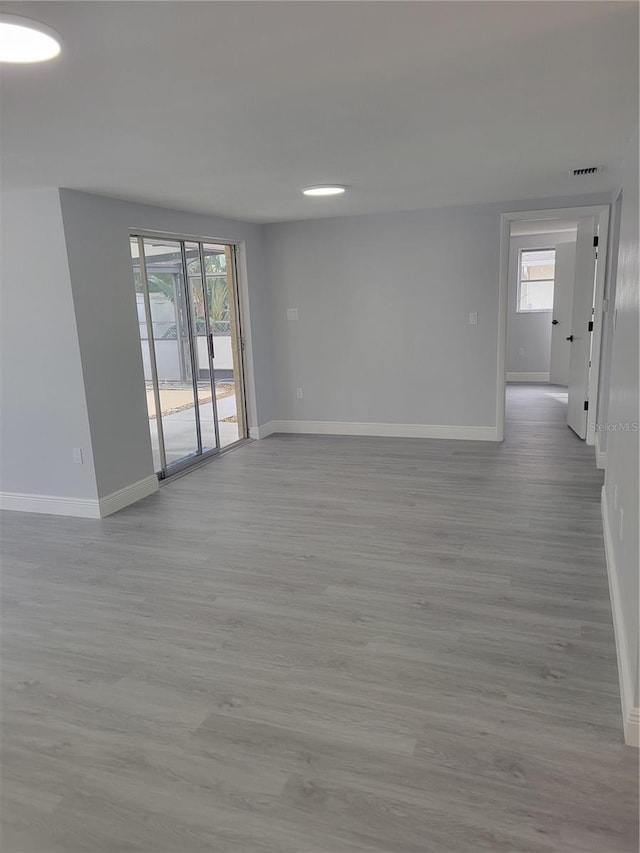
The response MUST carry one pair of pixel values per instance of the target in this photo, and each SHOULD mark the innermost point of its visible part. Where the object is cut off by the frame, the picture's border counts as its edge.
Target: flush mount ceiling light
(324, 189)
(23, 40)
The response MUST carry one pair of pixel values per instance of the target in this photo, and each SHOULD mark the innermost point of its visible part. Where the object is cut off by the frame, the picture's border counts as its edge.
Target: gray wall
(67, 281)
(42, 397)
(531, 332)
(383, 334)
(622, 447)
(97, 238)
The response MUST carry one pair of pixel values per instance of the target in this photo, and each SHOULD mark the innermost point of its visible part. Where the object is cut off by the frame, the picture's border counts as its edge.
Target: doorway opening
(191, 339)
(552, 274)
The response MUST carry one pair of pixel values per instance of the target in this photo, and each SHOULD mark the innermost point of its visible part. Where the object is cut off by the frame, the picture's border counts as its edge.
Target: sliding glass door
(190, 335)
(219, 264)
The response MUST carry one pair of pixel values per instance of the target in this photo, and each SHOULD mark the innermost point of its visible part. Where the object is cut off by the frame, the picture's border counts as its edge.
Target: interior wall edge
(627, 671)
(129, 494)
(601, 454)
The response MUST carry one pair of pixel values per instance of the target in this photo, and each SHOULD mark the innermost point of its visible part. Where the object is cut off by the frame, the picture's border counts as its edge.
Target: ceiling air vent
(589, 170)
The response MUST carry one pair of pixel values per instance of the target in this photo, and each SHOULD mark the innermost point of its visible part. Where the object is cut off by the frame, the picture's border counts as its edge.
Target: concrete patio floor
(180, 431)
(173, 399)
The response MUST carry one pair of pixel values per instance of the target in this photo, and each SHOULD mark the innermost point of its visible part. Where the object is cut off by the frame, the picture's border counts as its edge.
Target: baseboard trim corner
(50, 504)
(630, 712)
(464, 433)
(601, 455)
(261, 431)
(528, 377)
(128, 495)
(632, 730)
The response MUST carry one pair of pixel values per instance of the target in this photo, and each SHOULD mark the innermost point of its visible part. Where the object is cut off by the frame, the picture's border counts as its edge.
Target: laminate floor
(324, 645)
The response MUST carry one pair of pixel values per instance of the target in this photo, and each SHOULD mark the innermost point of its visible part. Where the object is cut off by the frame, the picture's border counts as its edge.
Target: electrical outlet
(292, 313)
(299, 393)
(473, 318)
(621, 523)
(521, 352)
(77, 455)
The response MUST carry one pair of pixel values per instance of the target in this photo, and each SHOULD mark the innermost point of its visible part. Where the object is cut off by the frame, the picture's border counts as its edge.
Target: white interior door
(562, 305)
(581, 317)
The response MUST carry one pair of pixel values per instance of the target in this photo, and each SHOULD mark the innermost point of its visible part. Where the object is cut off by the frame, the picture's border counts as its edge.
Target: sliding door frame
(210, 348)
(152, 349)
(237, 335)
(237, 332)
(193, 344)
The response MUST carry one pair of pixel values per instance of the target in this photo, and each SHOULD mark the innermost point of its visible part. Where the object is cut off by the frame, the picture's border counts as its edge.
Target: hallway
(324, 643)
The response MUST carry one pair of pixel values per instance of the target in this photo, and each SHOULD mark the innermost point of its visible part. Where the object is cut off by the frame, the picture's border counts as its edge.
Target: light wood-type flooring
(321, 644)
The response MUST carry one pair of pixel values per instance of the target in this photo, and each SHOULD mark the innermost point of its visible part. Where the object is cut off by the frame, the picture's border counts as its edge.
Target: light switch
(292, 313)
(473, 318)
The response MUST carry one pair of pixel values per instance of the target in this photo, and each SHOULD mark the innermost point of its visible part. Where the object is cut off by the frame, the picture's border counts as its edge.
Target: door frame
(236, 246)
(602, 211)
(243, 312)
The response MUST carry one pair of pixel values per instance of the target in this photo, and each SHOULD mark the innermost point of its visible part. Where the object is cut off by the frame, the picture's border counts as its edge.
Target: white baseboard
(626, 667)
(128, 495)
(528, 377)
(50, 504)
(467, 433)
(601, 455)
(79, 507)
(632, 730)
(261, 431)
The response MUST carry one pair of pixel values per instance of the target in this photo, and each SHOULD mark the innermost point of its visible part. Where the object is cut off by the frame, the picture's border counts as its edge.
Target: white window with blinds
(536, 279)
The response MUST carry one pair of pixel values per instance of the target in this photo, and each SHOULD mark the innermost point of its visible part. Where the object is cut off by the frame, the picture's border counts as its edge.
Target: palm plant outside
(217, 287)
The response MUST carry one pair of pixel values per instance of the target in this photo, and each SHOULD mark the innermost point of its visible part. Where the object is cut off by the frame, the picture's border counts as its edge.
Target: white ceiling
(230, 108)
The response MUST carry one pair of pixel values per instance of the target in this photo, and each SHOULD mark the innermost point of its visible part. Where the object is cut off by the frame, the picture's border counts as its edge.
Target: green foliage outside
(217, 287)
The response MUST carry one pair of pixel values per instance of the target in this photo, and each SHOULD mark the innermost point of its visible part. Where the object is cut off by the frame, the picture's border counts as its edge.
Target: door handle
(212, 354)
(555, 322)
(570, 338)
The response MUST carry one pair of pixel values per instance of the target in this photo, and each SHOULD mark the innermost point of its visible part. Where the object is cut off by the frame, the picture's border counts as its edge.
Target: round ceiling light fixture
(23, 40)
(324, 189)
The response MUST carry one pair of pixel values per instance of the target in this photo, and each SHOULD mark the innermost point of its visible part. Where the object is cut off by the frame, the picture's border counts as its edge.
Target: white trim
(247, 358)
(79, 507)
(600, 210)
(465, 433)
(601, 455)
(128, 495)
(528, 377)
(50, 504)
(632, 730)
(596, 338)
(630, 713)
(503, 291)
(529, 249)
(261, 431)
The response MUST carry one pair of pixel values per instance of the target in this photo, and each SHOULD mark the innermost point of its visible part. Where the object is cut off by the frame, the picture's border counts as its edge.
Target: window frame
(521, 252)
